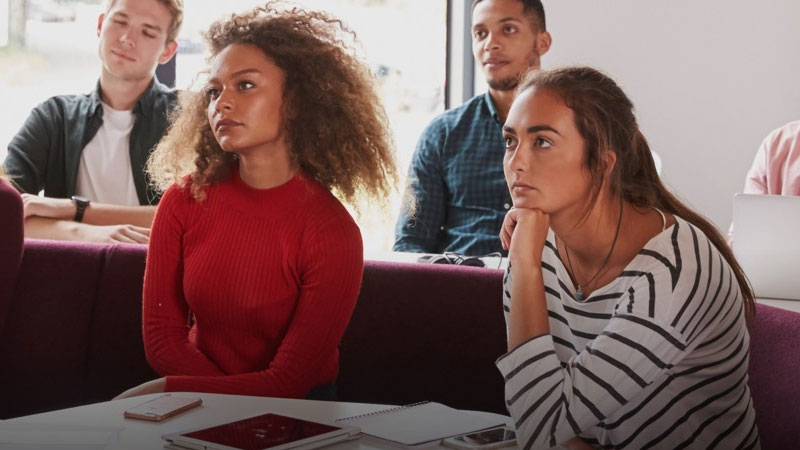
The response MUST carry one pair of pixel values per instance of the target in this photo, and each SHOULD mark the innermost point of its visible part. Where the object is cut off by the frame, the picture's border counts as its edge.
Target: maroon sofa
(10, 245)
(71, 335)
(73, 332)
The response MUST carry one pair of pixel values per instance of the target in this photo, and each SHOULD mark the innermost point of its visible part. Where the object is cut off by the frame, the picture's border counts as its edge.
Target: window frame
(460, 70)
(459, 62)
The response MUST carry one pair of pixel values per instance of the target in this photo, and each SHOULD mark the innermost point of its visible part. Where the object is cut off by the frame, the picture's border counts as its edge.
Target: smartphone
(162, 408)
(486, 439)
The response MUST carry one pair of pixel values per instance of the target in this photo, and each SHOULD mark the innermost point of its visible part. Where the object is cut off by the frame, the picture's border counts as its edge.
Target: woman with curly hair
(254, 266)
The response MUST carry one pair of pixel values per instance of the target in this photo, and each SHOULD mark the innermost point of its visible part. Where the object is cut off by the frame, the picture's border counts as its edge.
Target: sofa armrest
(11, 238)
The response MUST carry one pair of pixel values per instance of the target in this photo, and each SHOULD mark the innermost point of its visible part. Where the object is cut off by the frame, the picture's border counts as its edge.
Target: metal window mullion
(460, 71)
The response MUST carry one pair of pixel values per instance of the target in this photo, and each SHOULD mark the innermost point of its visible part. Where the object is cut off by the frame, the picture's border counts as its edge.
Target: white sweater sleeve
(552, 402)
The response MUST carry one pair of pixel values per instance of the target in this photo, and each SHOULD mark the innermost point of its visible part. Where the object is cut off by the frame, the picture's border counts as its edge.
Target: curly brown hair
(337, 130)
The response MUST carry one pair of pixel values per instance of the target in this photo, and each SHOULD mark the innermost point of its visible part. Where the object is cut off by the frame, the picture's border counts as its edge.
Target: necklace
(578, 288)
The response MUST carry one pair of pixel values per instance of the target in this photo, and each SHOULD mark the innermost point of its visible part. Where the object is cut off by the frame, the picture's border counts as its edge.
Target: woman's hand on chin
(523, 235)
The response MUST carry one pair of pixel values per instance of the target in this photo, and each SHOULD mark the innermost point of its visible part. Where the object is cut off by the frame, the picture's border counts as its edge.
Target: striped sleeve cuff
(534, 349)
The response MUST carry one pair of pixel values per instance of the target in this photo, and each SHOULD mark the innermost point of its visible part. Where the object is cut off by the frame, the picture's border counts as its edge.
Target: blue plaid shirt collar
(492, 109)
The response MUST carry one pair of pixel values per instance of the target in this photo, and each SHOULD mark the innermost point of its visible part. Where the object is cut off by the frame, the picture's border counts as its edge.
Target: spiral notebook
(420, 425)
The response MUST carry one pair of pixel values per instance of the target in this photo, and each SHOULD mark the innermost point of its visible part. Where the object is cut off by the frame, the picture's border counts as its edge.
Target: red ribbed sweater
(271, 277)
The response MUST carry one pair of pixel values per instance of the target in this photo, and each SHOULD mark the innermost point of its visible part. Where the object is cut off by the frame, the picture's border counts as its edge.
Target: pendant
(579, 294)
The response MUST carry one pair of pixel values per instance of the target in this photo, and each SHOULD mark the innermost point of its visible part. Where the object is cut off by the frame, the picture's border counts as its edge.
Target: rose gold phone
(162, 408)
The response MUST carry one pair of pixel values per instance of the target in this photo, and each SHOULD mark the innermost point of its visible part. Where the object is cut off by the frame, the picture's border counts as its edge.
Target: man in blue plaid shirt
(458, 194)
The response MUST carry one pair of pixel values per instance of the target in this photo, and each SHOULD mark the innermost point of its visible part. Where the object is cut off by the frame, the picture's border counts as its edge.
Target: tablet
(266, 431)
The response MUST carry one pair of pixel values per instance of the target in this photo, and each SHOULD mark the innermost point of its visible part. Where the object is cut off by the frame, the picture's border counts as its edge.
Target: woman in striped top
(626, 311)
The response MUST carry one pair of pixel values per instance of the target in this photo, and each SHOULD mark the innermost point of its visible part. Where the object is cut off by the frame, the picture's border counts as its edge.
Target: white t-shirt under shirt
(105, 174)
(655, 359)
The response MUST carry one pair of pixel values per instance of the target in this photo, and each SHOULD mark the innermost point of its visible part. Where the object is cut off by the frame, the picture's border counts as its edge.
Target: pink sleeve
(333, 264)
(165, 313)
(756, 180)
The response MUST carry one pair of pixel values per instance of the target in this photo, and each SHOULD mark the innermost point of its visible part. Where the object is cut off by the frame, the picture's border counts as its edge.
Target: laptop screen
(766, 243)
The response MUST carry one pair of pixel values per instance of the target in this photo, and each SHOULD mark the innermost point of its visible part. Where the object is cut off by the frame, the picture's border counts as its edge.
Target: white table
(216, 409)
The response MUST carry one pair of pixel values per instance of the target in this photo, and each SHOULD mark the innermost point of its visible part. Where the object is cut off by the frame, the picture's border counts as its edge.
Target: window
(403, 41)
(53, 52)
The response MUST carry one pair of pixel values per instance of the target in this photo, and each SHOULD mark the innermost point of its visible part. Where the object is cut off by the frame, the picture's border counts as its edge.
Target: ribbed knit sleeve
(165, 313)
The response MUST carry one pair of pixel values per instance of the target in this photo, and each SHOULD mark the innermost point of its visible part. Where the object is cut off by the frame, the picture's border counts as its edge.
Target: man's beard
(506, 84)
(511, 83)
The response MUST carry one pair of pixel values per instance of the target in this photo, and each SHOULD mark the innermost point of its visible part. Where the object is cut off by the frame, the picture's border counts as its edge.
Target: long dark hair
(604, 118)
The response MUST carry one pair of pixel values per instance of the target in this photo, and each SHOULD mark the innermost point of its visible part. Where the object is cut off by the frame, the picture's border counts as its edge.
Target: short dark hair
(529, 6)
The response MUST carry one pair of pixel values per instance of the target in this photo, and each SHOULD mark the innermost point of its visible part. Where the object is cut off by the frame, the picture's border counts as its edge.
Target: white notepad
(419, 425)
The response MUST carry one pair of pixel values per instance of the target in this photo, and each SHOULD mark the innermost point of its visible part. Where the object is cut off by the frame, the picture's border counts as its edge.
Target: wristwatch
(81, 203)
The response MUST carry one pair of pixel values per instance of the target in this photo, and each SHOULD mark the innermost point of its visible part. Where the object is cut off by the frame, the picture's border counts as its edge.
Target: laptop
(766, 242)
(262, 432)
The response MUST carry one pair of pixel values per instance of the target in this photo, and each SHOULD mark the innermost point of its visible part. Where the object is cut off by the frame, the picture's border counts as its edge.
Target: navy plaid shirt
(457, 182)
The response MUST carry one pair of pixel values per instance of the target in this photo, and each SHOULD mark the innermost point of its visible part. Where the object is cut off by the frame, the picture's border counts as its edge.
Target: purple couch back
(425, 332)
(10, 245)
(73, 333)
(775, 376)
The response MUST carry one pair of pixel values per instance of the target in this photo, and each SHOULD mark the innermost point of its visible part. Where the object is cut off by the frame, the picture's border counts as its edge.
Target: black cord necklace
(578, 288)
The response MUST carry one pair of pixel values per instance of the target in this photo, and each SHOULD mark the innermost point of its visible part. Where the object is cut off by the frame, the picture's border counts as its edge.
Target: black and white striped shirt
(655, 359)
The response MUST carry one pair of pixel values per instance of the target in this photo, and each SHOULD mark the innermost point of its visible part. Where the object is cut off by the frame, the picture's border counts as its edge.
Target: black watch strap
(80, 207)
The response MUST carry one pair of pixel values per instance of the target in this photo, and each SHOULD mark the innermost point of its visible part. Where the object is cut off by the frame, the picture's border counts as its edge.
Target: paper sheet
(20, 435)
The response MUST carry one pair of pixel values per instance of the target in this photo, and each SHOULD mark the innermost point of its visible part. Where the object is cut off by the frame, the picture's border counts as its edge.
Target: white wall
(709, 78)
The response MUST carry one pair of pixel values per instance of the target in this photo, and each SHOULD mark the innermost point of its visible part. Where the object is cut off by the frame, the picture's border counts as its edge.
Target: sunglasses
(460, 260)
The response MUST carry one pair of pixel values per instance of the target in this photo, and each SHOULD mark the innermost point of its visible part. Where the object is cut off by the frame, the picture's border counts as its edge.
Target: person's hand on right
(129, 234)
(524, 233)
